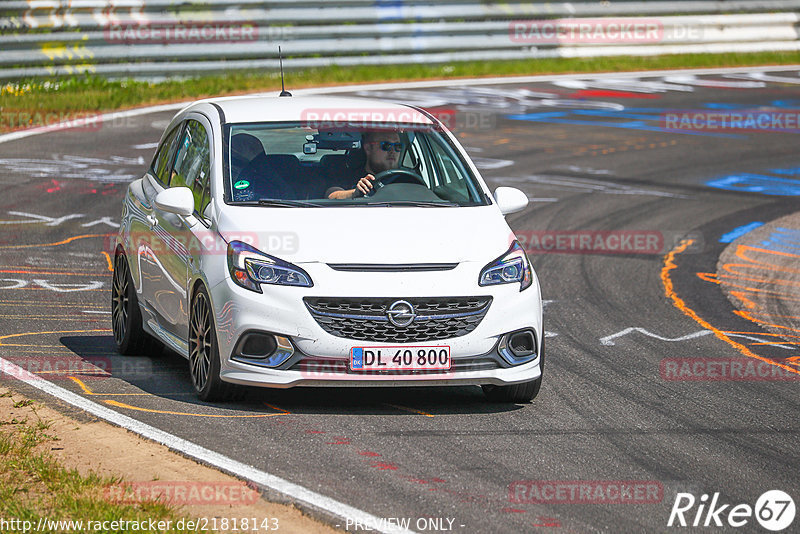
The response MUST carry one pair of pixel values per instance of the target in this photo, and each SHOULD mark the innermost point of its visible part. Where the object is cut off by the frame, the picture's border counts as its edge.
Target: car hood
(379, 235)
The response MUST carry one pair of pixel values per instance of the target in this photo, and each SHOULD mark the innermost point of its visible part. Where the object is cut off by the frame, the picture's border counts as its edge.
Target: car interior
(264, 167)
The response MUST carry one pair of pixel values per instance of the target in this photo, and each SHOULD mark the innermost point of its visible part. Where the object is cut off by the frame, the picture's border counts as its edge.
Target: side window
(451, 183)
(414, 159)
(162, 163)
(192, 164)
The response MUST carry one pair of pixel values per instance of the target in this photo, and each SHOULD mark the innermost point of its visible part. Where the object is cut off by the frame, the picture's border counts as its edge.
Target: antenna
(284, 92)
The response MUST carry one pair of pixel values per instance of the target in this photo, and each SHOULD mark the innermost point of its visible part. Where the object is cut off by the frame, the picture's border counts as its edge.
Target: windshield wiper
(277, 202)
(413, 203)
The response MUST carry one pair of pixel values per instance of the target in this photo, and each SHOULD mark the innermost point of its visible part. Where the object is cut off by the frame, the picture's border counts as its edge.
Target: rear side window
(192, 164)
(162, 164)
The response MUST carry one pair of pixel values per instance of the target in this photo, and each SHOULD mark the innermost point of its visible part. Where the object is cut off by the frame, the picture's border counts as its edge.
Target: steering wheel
(390, 176)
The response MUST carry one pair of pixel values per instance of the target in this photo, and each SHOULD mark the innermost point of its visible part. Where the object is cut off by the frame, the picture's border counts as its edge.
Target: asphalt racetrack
(631, 208)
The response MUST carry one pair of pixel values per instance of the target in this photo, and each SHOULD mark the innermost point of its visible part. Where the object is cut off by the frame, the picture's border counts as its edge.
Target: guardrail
(157, 38)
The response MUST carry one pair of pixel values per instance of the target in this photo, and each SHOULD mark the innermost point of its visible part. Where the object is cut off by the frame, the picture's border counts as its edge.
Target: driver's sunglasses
(387, 146)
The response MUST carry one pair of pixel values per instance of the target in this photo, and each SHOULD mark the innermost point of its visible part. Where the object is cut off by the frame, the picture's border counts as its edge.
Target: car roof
(260, 108)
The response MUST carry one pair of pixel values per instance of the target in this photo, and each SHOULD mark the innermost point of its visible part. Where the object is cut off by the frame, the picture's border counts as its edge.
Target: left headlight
(249, 268)
(513, 266)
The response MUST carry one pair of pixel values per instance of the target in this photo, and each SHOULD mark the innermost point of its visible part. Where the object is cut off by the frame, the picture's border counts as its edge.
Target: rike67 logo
(774, 510)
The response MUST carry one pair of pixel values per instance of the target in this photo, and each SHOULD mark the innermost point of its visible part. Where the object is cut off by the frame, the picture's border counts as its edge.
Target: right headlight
(513, 266)
(249, 268)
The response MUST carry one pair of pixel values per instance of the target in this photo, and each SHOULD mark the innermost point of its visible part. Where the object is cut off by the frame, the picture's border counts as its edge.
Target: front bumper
(321, 359)
(324, 376)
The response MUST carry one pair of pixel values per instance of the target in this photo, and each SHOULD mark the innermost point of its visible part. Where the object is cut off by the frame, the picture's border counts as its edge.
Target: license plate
(406, 358)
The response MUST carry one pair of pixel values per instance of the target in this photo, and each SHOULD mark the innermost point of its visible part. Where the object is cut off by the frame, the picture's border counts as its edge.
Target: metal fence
(157, 38)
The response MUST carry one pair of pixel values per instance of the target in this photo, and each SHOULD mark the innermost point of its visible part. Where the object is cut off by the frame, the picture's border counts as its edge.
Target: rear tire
(517, 393)
(126, 317)
(204, 364)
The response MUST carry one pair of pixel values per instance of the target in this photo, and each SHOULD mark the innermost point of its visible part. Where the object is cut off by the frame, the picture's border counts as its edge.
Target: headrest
(356, 158)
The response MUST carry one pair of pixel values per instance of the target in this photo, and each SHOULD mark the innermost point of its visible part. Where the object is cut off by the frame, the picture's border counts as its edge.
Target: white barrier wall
(155, 38)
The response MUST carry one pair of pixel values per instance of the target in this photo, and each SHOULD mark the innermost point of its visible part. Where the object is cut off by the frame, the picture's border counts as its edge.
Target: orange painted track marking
(51, 304)
(88, 391)
(741, 252)
(406, 409)
(53, 353)
(87, 372)
(28, 267)
(108, 260)
(64, 242)
(285, 412)
(771, 315)
(9, 336)
(138, 409)
(746, 315)
(669, 291)
(715, 279)
(39, 347)
(58, 273)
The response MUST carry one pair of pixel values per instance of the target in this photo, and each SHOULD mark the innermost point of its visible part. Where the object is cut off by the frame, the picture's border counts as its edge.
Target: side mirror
(177, 200)
(510, 199)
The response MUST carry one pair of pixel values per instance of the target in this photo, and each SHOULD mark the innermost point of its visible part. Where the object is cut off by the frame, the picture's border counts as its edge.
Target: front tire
(517, 393)
(204, 365)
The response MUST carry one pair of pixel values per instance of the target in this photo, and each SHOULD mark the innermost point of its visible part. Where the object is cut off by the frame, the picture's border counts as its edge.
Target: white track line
(229, 465)
(420, 85)
(248, 472)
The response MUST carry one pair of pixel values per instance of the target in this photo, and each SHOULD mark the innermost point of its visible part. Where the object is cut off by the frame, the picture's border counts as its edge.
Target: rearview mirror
(177, 200)
(510, 199)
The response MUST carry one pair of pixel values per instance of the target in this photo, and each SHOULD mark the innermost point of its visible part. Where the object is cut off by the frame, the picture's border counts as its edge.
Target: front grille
(324, 367)
(365, 319)
(392, 268)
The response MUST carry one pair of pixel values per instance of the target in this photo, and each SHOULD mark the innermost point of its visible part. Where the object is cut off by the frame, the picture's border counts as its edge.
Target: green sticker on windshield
(242, 184)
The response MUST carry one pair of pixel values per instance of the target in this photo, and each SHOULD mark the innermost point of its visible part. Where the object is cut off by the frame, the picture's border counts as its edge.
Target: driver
(383, 152)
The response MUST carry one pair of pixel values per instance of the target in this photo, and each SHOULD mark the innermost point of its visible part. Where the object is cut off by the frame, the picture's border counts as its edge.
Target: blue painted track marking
(786, 172)
(757, 183)
(783, 240)
(736, 233)
(645, 119)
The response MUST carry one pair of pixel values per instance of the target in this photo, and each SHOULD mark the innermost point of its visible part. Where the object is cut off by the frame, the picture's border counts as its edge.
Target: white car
(232, 252)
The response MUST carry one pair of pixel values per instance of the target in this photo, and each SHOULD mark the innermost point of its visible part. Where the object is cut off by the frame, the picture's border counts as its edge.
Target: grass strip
(34, 485)
(31, 103)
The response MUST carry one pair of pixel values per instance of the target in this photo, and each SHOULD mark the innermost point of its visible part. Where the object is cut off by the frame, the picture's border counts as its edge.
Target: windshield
(293, 165)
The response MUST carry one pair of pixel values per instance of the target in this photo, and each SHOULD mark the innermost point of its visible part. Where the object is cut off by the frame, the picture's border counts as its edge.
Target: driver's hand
(365, 184)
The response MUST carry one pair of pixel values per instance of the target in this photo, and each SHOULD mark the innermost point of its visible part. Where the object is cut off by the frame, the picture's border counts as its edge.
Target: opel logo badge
(401, 313)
